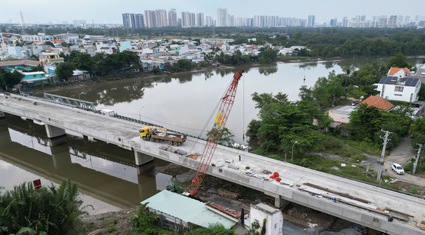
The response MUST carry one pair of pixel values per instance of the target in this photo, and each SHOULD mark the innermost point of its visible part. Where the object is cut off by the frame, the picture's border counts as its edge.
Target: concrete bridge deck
(371, 206)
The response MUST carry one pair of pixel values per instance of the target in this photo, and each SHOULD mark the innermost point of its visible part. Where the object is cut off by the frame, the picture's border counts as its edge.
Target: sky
(109, 11)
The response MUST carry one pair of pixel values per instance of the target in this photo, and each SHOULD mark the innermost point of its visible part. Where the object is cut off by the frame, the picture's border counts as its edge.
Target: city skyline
(110, 11)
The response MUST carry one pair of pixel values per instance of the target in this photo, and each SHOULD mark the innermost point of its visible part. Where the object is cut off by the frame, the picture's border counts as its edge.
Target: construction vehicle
(215, 134)
(159, 134)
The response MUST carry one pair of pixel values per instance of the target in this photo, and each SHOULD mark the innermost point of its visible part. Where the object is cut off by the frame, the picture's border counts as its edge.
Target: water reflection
(267, 70)
(185, 102)
(100, 170)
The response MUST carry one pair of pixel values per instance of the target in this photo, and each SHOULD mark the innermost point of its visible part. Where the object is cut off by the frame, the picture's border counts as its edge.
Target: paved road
(402, 154)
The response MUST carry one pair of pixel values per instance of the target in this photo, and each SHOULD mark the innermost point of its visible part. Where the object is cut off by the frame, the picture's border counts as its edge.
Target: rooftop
(186, 209)
(378, 102)
(404, 81)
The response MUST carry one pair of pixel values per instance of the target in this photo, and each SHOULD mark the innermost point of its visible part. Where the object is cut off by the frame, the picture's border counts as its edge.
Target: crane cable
(243, 111)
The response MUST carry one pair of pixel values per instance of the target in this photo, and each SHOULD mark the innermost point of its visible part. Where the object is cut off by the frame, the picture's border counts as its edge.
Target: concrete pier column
(279, 202)
(53, 132)
(1, 115)
(141, 159)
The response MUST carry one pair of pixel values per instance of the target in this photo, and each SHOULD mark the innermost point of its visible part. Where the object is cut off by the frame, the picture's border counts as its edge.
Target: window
(398, 88)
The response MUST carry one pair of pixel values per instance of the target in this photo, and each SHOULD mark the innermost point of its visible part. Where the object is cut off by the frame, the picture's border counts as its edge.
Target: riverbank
(146, 76)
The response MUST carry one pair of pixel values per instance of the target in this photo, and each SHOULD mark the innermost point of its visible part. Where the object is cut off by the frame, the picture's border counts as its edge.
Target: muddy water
(187, 102)
(105, 174)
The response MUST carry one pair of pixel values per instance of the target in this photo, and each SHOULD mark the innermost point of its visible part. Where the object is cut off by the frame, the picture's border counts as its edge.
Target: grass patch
(351, 151)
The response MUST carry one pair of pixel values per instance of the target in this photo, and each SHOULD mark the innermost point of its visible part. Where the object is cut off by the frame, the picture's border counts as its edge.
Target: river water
(187, 102)
(105, 174)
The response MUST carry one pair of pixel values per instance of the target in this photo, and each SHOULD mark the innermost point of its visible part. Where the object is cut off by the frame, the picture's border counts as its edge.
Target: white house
(399, 88)
(273, 218)
(398, 72)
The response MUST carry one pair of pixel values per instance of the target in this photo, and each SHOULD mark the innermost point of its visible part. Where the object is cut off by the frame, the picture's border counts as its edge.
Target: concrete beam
(53, 132)
(141, 159)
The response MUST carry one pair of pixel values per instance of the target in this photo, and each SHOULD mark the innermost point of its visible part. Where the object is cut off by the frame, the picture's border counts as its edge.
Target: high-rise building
(134, 21)
(200, 20)
(392, 21)
(311, 20)
(150, 19)
(221, 17)
(209, 21)
(126, 20)
(345, 22)
(172, 18)
(186, 19)
(333, 22)
(161, 18)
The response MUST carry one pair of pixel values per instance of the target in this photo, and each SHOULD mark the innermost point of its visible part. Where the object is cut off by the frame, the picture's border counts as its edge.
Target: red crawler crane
(215, 134)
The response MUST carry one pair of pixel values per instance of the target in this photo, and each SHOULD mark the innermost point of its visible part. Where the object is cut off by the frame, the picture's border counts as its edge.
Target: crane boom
(214, 137)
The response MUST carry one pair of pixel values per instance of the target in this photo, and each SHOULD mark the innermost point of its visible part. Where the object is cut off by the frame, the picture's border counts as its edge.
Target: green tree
(328, 92)
(47, 209)
(214, 229)
(81, 60)
(9, 80)
(365, 121)
(281, 123)
(64, 70)
(225, 138)
(399, 60)
(267, 56)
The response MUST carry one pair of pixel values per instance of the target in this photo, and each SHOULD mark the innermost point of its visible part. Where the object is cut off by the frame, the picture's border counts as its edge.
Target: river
(105, 174)
(187, 102)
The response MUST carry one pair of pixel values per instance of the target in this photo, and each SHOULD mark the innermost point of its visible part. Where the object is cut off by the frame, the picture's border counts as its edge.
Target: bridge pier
(53, 132)
(279, 202)
(141, 159)
(1, 115)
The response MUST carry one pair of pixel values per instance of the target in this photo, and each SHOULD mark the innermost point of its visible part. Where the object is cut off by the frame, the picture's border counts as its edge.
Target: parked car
(397, 168)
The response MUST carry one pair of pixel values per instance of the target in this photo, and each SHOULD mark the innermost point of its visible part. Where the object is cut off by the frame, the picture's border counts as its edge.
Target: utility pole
(381, 161)
(417, 158)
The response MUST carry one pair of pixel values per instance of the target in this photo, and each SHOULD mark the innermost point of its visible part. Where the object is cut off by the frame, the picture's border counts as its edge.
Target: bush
(46, 210)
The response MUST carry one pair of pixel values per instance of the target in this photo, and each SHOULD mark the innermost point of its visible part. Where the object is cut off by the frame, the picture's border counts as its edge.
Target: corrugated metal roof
(186, 209)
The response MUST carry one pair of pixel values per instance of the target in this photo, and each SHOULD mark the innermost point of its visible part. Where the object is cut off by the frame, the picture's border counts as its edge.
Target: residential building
(150, 19)
(172, 18)
(200, 20)
(184, 211)
(398, 72)
(33, 77)
(311, 21)
(222, 17)
(399, 85)
(269, 217)
(420, 73)
(15, 52)
(378, 102)
(135, 21)
(50, 58)
(161, 18)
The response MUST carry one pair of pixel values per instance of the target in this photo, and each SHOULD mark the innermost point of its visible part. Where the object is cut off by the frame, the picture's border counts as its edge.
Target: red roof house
(378, 102)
